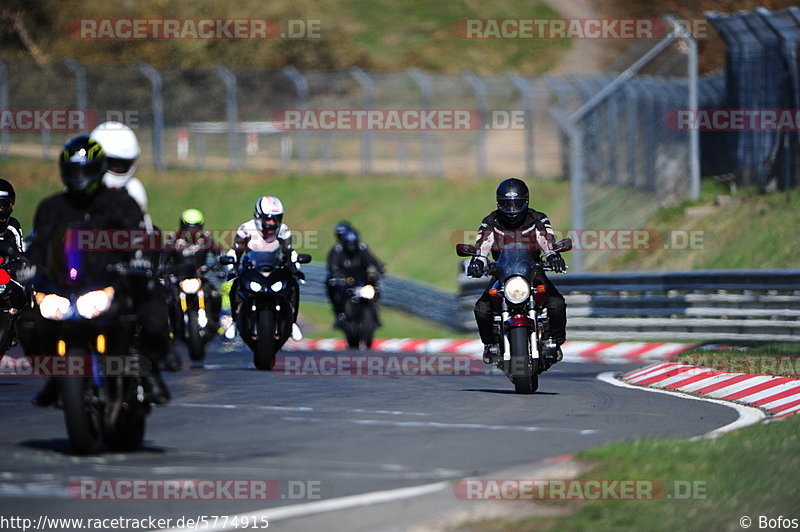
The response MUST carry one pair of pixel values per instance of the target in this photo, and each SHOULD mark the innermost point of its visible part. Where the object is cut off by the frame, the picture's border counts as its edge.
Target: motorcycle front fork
(540, 341)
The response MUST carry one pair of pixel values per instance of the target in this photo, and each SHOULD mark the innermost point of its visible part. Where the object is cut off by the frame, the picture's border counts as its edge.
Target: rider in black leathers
(349, 258)
(88, 202)
(513, 221)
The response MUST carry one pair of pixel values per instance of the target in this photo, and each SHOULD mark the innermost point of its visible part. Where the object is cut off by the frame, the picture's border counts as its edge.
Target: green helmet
(192, 219)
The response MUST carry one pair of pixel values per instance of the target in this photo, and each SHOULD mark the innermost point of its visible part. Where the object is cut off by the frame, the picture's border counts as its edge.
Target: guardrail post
(426, 136)
(231, 114)
(527, 93)
(479, 88)
(367, 89)
(301, 88)
(4, 135)
(158, 113)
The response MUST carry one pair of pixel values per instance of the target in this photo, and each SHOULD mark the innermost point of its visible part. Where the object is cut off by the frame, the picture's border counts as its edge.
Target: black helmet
(350, 241)
(340, 229)
(83, 163)
(7, 199)
(512, 200)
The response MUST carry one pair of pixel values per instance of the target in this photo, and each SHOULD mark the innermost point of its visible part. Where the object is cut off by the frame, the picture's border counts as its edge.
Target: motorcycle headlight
(53, 307)
(517, 290)
(92, 304)
(276, 287)
(190, 286)
(366, 292)
(3, 288)
(255, 287)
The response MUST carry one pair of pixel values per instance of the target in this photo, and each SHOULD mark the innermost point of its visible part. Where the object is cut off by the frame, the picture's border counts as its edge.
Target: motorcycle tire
(194, 342)
(525, 378)
(264, 352)
(83, 421)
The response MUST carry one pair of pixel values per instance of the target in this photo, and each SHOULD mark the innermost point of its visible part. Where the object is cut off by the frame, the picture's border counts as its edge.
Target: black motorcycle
(360, 309)
(12, 300)
(87, 318)
(265, 292)
(521, 324)
(194, 305)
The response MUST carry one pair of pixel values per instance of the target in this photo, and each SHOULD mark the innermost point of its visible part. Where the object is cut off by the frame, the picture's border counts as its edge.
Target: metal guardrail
(694, 305)
(413, 297)
(712, 305)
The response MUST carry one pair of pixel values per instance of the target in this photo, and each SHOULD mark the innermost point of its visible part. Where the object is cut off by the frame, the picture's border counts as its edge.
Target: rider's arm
(240, 242)
(485, 241)
(545, 236)
(16, 230)
(372, 260)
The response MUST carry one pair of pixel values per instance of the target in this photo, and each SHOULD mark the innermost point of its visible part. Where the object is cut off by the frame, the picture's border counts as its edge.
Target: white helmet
(268, 215)
(121, 147)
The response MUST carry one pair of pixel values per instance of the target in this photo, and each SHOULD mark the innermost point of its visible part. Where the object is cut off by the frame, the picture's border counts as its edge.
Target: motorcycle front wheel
(194, 342)
(525, 378)
(264, 353)
(82, 419)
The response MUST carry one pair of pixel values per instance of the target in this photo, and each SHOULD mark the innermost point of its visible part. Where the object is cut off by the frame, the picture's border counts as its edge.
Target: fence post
(789, 37)
(80, 84)
(301, 88)
(158, 113)
(527, 93)
(479, 88)
(426, 136)
(231, 114)
(4, 135)
(694, 134)
(367, 89)
(575, 134)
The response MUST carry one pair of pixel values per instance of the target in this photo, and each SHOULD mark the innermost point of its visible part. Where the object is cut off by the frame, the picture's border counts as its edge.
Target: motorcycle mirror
(303, 258)
(227, 260)
(563, 245)
(466, 250)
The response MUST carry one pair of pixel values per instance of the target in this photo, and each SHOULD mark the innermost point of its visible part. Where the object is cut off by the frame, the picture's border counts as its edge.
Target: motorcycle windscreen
(73, 263)
(261, 261)
(517, 259)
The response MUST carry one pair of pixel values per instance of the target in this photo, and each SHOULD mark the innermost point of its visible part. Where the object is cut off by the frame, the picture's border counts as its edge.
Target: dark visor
(119, 166)
(512, 206)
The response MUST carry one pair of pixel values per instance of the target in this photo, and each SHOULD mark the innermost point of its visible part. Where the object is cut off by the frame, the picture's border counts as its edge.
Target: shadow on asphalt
(503, 392)
(62, 446)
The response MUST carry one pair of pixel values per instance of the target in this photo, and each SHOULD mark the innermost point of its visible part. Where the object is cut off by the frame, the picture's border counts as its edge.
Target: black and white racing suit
(249, 238)
(536, 231)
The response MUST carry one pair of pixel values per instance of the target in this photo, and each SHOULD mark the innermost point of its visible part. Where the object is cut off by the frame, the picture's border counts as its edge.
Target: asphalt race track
(332, 436)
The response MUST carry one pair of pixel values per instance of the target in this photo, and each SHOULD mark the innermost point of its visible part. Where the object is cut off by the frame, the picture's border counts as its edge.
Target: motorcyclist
(10, 246)
(267, 232)
(191, 236)
(192, 247)
(88, 201)
(122, 149)
(514, 221)
(349, 258)
(10, 229)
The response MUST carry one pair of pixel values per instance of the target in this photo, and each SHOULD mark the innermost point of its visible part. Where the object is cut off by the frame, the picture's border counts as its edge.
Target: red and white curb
(779, 396)
(574, 351)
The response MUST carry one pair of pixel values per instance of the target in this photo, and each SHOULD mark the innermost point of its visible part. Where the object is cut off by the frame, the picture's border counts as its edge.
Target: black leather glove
(555, 261)
(475, 268)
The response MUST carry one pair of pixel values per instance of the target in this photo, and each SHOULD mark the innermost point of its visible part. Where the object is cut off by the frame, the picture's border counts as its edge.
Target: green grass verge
(751, 231)
(750, 472)
(412, 224)
(780, 359)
